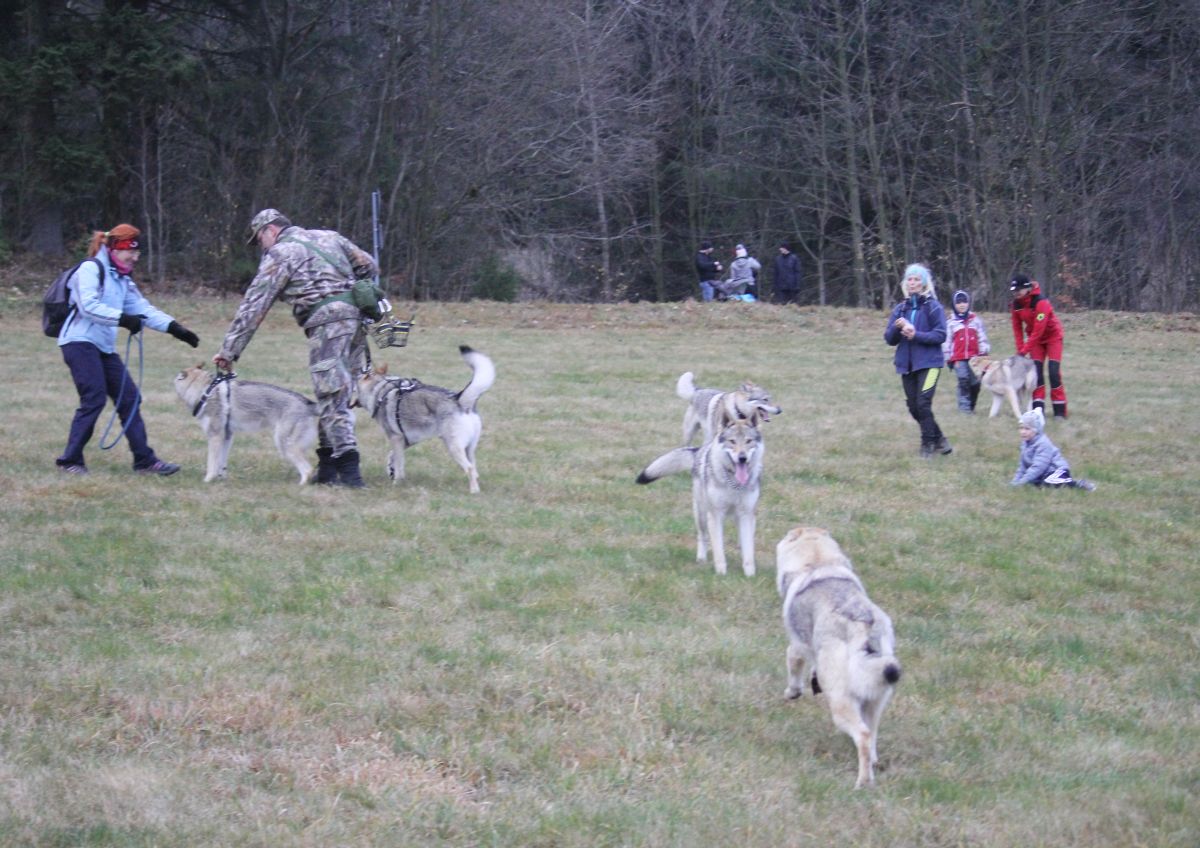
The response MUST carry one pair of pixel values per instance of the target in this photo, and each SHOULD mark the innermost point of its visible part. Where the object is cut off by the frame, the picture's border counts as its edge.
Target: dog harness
(221, 377)
(401, 386)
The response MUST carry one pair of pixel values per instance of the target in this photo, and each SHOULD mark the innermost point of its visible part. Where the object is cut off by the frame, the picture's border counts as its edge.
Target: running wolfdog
(837, 637)
(725, 479)
(224, 405)
(712, 409)
(410, 412)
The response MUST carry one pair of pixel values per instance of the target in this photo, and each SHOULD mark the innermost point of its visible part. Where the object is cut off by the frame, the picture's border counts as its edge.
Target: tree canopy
(581, 149)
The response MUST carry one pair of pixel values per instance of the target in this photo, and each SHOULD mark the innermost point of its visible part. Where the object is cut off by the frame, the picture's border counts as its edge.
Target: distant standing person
(786, 278)
(103, 298)
(917, 329)
(965, 337)
(314, 271)
(707, 269)
(1038, 334)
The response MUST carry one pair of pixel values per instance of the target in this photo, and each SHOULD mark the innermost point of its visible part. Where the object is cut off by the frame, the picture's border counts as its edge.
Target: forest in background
(579, 150)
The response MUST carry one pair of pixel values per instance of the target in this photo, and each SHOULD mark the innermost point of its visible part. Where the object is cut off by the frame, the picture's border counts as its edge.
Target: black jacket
(787, 272)
(706, 267)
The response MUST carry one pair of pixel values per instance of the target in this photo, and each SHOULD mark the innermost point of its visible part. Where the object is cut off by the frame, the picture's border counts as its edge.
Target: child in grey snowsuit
(1042, 464)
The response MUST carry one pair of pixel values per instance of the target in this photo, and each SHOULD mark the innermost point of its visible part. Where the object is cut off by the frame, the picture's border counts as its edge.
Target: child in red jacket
(965, 337)
(1038, 335)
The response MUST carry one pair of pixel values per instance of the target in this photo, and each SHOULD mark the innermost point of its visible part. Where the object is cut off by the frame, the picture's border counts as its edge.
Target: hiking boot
(162, 469)
(73, 469)
(327, 471)
(942, 446)
(1060, 411)
(347, 470)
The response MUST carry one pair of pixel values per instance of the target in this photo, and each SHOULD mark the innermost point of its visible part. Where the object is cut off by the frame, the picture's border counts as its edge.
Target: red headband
(125, 244)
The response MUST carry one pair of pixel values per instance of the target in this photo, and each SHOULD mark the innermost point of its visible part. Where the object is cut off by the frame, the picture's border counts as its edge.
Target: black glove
(132, 323)
(183, 334)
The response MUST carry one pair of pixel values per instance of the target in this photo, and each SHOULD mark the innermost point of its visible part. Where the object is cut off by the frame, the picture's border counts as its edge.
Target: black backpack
(56, 302)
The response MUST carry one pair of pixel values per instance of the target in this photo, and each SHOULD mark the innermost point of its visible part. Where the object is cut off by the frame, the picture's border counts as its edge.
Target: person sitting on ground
(1041, 462)
(743, 275)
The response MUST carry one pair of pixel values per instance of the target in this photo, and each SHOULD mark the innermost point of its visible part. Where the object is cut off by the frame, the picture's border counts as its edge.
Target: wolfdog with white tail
(410, 412)
(711, 410)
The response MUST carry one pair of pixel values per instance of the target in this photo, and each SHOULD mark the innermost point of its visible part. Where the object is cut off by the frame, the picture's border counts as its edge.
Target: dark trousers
(919, 387)
(99, 376)
(786, 296)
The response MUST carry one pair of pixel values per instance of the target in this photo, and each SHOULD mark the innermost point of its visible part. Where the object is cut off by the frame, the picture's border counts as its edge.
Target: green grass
(255, 663)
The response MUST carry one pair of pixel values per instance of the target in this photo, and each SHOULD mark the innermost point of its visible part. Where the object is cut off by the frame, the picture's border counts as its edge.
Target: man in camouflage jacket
(313, 270)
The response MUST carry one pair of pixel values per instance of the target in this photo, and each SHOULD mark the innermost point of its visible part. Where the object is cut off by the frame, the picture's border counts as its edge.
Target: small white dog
(836, 637)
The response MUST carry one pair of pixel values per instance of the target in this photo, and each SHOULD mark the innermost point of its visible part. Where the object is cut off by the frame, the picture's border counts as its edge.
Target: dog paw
(792, 693)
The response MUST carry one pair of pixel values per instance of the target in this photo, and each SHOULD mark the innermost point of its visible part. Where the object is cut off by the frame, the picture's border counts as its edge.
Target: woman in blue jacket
(917, 328)
(103, 298)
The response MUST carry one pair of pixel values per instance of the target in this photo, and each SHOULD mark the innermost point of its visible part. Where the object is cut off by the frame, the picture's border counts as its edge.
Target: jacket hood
(961, 296)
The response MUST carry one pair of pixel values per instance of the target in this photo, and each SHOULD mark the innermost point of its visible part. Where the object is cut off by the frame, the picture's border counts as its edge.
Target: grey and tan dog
(711, 410)
(837, 638)
(409, 412)
(1013, 379)
(223, 405)
(726, 475)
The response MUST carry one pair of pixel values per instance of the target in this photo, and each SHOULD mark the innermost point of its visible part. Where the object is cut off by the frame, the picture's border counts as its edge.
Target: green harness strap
(344, 297)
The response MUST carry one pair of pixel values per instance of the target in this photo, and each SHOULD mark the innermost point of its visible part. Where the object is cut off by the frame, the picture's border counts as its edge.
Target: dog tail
(672, 462)
(481, 380)
(685, 386)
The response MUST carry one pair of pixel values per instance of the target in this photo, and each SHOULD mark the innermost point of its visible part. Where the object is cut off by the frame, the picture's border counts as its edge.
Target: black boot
(327, 473)
(942, 445)
(347, 470)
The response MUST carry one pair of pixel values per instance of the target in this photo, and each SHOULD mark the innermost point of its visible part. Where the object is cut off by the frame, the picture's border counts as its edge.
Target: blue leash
(121, 392)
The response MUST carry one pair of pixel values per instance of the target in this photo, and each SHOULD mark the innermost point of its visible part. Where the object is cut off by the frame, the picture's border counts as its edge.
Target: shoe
(73, 469)
(327, 473)
(943, 446)
(348, 471)
(162, 469)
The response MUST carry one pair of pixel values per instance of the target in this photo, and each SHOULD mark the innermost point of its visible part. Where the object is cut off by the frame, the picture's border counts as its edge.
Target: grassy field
(545, 664)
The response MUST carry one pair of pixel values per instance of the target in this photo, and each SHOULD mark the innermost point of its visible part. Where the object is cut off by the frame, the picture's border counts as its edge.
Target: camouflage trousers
(337, 353)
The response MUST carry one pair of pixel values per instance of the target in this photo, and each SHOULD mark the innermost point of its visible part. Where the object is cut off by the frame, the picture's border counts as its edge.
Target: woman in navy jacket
(917, 328)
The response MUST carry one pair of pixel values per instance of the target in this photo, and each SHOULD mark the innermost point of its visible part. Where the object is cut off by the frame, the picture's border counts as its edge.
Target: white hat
(1034, 420)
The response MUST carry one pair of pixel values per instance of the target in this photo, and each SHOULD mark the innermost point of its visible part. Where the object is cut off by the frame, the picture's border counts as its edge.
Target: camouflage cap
(266, 216)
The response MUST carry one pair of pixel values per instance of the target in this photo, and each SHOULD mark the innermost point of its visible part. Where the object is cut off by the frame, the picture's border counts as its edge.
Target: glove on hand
(132, 323)
(183, 334)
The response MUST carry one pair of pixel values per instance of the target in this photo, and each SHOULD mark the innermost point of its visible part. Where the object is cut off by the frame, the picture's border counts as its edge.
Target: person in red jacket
(1038, 334)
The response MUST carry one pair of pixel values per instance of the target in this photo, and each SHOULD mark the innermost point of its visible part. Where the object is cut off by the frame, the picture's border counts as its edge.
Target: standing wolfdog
(410, 411)
(1013, 379)
(711, 410)
(725, 478)
(227, 406)
(837, 637)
